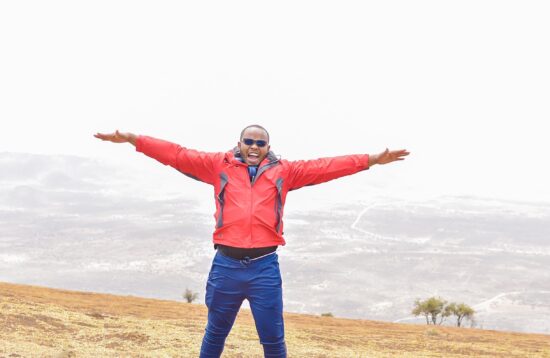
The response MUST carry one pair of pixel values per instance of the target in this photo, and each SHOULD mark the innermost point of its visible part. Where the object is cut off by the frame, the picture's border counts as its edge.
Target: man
(250, 186)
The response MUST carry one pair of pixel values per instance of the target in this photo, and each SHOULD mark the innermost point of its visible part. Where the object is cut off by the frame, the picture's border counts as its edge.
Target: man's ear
(268, 147)
(239, 145)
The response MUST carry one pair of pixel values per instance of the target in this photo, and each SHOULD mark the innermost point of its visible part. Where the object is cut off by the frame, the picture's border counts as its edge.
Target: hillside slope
(44, 322)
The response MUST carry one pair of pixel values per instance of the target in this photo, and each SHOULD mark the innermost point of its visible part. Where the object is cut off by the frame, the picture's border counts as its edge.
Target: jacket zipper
(251, 208)
(251, 183)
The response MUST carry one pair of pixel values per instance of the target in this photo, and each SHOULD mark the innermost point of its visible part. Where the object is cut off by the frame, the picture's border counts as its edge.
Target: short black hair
(255, 126)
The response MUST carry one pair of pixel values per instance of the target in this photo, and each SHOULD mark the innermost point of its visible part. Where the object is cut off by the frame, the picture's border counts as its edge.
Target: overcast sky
(463, 85)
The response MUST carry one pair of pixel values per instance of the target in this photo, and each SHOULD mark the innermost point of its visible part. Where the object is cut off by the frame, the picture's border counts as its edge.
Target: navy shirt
(252, 169)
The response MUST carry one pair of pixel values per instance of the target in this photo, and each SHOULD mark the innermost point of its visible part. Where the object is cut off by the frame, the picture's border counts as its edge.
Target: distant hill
(44, 322)
(109, 227)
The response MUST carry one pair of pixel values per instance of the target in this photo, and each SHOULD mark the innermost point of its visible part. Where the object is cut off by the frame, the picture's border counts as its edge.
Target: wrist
(132, 138)
(373, 159)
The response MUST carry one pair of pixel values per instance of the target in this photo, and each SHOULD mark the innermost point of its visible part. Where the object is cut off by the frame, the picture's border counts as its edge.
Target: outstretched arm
(198, 165)
(118, 137)
(387, 156)
(311, 172)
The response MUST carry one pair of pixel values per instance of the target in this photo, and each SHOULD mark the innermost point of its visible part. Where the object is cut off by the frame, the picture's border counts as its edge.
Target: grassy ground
(43, 322)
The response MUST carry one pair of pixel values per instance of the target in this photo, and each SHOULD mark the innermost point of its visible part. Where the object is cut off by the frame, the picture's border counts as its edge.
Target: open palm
(116, 137)
(389, 156)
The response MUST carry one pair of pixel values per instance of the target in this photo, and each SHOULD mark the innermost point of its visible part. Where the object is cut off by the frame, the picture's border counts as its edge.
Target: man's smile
(253, 158)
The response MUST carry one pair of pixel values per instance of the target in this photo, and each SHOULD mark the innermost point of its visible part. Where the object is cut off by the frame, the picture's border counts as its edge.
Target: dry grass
(43, 322)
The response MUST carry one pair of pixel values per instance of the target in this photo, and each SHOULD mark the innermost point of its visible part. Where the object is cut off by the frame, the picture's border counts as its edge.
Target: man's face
(252, 154)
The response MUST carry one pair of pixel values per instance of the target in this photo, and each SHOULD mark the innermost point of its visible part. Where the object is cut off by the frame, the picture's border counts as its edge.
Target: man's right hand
(118, 137)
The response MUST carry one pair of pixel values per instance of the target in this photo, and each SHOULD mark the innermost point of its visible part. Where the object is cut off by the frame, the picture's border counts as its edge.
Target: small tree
(190, 296)
(461, 311)
(431, 308)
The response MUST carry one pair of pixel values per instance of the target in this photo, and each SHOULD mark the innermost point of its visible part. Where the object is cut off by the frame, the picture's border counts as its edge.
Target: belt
(240, 253)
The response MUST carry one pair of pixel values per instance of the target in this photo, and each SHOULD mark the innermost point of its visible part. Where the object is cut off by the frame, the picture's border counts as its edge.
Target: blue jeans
(230, 281)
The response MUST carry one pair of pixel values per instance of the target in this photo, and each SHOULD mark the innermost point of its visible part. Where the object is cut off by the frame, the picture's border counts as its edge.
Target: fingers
(105, 137)
(116, 137)
(388, 156)
(400, 153)
(100, 136)
(403, 151)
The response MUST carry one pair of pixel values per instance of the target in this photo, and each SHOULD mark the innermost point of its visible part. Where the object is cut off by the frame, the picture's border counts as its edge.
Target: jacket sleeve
(195, 164)
(317, 171)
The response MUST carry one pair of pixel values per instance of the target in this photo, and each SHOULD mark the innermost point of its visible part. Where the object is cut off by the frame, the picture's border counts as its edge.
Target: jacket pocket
(279, 205)
(220, 198)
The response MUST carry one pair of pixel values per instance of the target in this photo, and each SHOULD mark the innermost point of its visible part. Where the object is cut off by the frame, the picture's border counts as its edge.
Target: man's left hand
(388, 156)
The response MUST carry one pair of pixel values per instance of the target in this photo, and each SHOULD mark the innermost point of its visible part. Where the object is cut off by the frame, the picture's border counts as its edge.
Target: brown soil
(43, 322)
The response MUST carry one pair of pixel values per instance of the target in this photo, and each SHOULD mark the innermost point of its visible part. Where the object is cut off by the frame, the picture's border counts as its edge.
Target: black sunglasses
(260, 142)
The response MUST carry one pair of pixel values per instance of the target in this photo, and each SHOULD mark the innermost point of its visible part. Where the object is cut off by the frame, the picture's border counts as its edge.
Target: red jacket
(249, 214)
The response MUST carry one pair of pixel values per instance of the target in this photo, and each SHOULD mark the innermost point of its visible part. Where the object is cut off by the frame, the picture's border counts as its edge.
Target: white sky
(464, 85)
